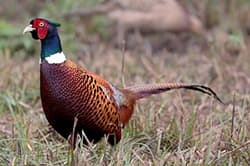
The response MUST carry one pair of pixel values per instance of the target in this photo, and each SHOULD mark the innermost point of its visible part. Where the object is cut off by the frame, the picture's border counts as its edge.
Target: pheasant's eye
(41, 24)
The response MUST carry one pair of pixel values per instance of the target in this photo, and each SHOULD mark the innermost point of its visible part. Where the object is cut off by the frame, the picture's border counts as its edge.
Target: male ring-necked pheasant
(69, 91)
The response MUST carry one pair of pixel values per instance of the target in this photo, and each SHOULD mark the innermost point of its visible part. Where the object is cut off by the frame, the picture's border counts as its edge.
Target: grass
(176, 128)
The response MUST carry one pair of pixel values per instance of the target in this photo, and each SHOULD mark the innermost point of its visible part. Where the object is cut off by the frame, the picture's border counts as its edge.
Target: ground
(178, 127)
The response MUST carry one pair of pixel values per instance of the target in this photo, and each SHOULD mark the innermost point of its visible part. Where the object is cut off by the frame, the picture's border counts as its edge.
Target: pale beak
(28, 29)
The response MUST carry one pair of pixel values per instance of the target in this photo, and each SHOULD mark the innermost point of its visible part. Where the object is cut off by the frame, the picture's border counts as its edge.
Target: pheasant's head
(41, 28)
(46, 31)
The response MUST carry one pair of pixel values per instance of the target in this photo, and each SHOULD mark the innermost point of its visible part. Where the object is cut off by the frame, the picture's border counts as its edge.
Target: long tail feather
(141, 91)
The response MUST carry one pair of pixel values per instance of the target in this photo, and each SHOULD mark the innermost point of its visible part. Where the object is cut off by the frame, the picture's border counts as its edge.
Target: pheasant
(70, 92)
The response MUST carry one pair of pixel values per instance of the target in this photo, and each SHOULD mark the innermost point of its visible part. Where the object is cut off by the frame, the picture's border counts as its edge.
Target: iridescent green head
(46, 31)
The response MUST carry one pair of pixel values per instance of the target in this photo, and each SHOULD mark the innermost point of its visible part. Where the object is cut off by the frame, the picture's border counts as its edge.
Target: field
(175, 128)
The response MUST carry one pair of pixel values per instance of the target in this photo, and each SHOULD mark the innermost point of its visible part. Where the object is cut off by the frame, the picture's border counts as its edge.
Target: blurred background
(191, 41)
(147, 26)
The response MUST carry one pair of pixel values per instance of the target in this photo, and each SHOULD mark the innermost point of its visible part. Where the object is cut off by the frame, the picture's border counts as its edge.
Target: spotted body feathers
(68, 91)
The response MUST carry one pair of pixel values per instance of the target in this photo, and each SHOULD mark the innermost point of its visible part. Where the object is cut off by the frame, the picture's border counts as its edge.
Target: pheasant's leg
(115, 138)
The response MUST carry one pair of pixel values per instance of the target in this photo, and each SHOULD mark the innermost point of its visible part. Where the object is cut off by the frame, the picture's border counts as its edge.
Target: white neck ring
(56, 58)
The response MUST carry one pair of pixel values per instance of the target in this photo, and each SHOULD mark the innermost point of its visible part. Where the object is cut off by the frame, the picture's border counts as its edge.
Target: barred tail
(141, 91)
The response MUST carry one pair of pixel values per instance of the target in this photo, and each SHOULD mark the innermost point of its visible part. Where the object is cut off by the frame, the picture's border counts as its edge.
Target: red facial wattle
(42, 28)
(42, 32)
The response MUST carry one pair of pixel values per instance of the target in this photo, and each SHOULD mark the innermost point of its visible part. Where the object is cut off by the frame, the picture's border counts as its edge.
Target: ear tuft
(54, 23)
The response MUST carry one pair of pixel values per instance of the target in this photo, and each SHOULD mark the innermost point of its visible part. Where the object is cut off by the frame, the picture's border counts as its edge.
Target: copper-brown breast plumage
(68, 91)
